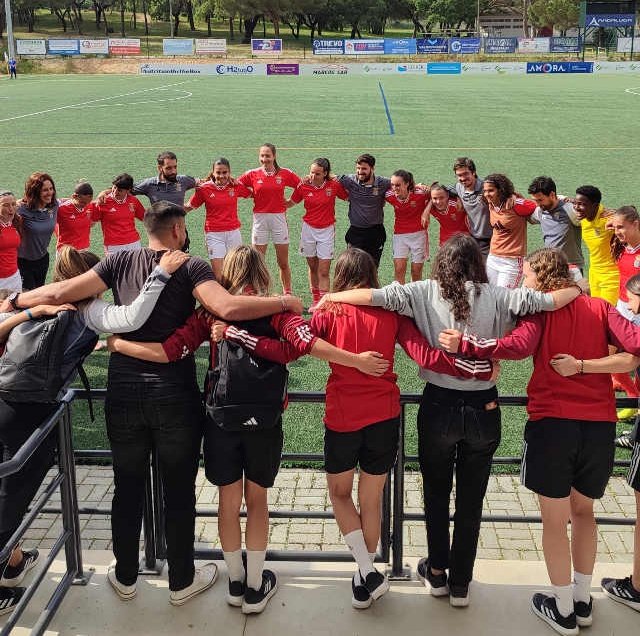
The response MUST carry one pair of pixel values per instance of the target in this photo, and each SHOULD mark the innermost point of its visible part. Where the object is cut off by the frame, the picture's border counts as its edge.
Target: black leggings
(34, 273)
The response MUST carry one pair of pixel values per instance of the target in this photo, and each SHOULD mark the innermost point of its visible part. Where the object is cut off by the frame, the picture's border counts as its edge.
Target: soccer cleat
(360, 597)
(622, 591)
(458, 595)
(377, 584)
(125, 592)
(438, 582)
(544, 606)
(626, 414)
(13, 575)
(624, 440)
(235, 595)
(203, 579)
(256, 600)
(9, 598)
(583, 612)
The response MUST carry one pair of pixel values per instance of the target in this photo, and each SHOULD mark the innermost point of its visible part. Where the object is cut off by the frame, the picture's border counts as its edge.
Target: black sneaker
(458, 595)
(9, 598)
(583, 612)
(544, 606)
(624, 440)
(622, 591)
(13, 575)
(256, 600)
(377, 584)
(235, 596)
(438, 582)
(360, 597)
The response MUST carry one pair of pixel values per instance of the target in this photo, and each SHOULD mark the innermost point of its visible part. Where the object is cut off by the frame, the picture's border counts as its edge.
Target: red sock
(315, 294)
(286, 291)
(628, 385)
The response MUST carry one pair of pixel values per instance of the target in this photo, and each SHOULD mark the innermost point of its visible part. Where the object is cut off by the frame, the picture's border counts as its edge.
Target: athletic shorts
(12, 283)
(230, 455)
(504, 271)
(219, 243)
(112, 249)
(605, 285)
(633, 477)
(414, 243)
(270, 226)
(317, 241)
(561, 454)
(374, 447)
(370, 239)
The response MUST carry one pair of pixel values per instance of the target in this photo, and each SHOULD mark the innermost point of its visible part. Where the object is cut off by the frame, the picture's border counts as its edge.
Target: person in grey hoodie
(459, 423)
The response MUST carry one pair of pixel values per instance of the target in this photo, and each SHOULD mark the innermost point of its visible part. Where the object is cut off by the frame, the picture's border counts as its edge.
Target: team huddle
(471, 312)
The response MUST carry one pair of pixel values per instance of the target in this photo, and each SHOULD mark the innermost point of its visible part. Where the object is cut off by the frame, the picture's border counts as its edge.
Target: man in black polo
(167, 185)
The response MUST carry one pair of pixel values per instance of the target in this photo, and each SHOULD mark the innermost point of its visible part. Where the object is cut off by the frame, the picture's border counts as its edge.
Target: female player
(74, 219)
(10, 236)
(449, 214)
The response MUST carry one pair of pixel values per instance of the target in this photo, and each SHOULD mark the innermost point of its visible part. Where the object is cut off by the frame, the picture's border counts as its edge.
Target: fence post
(397, 569)
(385, 527)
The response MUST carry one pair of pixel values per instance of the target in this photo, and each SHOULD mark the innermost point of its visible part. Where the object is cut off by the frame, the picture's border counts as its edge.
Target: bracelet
(29, 314)
(581, 371)
(284, 304)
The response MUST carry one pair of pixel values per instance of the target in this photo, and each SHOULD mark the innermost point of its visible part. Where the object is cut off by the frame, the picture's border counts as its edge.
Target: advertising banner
(177, 46)
(533, 45)
(31, 47)
(464, 46)
(207, 46)
(412, 68)
(624, 45)
(383, 68)
(63, 47)
(266, 47)
(283, 69)
(241, 69)
(616, 67)
(433, 45)
(327, 47)
(559, 67)
(406, 46)
(94, 47)
(325, 69)
(444, 68)
(512, 68)
(565, 45)
(610, 20)
(124, 46)
(500, 45)
(364, 47)
(177, 69)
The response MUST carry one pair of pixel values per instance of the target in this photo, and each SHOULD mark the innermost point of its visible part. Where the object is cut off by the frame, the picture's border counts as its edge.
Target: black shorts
(633, 477)
(228, 455)
(560, 454)
(374, 447)
(370, 239)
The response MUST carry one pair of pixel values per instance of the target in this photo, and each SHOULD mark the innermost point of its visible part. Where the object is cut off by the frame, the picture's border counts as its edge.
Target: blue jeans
(141, 417)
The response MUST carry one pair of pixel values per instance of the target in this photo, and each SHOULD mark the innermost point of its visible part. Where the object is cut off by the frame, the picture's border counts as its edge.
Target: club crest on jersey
(279, 180)
(132, 208)
(328, 192)
(232, 193)
(178, 186)
(375, 191)
(636, 262)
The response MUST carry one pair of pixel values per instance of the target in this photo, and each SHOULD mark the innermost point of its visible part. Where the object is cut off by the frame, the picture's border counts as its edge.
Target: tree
(562, 14)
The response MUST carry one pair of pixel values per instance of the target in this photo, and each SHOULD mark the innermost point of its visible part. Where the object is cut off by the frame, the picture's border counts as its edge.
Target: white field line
(381, 149)
(91, 101)
(632, 90)
(186, 95)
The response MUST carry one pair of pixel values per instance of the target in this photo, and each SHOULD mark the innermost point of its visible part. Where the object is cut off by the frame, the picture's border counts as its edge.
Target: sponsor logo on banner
(94, 47)
(124, 46)
(559, 67)
(177, 46)
(433, 45)
(177, 69)
(324, 69)
(565, 45)
(616, 67)
(624, 44)
(533, 45)
(63, 47)
(327, 47)
(500, 69)
(283, 69)
(412, 67)
(406, 46)
(239, 69)
(444, 68)
(464, 46)
(500, 45)
(266, 46)
(610, 20)
(378, 69)
(364, 47)
(211, 45)
(31, 47)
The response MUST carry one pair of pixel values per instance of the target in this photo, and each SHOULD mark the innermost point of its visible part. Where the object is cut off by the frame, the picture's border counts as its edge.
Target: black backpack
(244, 392)
(41, 357)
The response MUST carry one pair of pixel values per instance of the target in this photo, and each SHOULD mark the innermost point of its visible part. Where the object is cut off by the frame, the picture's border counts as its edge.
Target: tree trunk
(264, 27)
(192, 25)
(249, 27)
(176, 23)
(144, 13)
(231, 34)
(122, 29)
(134, 17)
(98, 11)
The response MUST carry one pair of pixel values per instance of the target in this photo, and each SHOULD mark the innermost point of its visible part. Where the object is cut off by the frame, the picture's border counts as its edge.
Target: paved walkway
(306, 490)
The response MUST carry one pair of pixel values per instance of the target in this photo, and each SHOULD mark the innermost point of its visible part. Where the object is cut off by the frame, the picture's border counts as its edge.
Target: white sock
(564, 598)
(255, 565)
(582, 587)
(355, 542)
(235, 567)
(372, 557)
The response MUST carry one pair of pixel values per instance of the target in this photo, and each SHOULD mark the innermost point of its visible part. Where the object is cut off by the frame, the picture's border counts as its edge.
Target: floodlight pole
(478, 19)
(11, 45)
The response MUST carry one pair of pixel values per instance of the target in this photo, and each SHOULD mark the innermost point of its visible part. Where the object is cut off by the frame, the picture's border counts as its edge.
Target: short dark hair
(464, 162)
(161, 216)
(407, 177)
(546, 185)
(166, 154)
(83, 189)
(591, 192)
(368, 159)
(123, 181)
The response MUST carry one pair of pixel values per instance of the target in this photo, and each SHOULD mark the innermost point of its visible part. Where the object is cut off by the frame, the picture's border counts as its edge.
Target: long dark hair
(457, 261)
(33, 188)
(354, 269)
(273, 150)
(502, 184)
(628, 213)
(220, 161)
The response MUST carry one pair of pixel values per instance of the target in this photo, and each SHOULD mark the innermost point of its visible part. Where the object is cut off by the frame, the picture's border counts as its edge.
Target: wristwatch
(13, 299)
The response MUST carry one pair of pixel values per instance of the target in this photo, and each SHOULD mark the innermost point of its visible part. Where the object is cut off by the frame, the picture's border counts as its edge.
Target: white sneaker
(125, 592)
(203, 579)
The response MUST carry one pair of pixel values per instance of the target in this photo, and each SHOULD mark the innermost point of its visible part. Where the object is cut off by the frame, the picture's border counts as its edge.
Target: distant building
(506, 23)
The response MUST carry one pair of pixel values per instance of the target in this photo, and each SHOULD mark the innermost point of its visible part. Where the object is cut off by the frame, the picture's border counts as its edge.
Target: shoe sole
(257, 608)
(234, 601)
(438, 592)
(18, 579)
(458, 601)
(554, 626)
(632, 604)
(381, 590)
(360, 605)
(182, 601)
(123, 596)
(8, 610)
(584, 621)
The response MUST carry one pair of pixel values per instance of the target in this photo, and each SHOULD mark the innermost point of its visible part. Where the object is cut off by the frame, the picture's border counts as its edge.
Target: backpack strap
(85, 383)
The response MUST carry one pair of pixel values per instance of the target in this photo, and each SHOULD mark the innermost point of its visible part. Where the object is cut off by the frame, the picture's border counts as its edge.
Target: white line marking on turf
(186, 95)
(315, 148)
(632, 90)
(92, 101)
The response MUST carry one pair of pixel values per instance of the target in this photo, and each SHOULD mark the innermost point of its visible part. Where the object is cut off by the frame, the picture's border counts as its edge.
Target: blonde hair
(244, 266)
(71, 262)
(551, 268)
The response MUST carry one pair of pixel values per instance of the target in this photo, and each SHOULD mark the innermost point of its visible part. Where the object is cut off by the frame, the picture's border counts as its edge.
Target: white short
(504, 271)
(316, 241)
(269, 226)
(219, 243)
(12, 283)
(112, 249)
(415, 243)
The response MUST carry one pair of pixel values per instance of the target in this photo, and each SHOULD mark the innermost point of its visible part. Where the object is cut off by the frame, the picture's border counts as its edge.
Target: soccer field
(577, 128)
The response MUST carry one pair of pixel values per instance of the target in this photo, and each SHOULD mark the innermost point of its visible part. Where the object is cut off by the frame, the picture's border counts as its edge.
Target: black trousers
(141, 417)
(370, 239)
(34, 273)
(457, 430)
(17, 422)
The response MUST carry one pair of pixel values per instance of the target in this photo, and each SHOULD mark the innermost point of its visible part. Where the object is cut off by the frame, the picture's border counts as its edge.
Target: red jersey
(118, 219)
(628, 266)
(220, 204)
(408, 212)
(452, 221)
(74, 225)
(268, 189)
(319, 202)
(9, 243)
